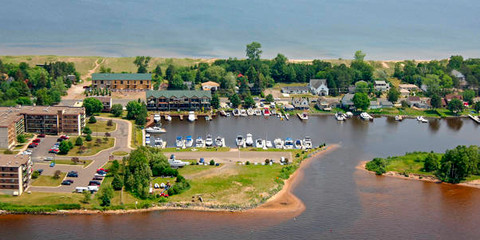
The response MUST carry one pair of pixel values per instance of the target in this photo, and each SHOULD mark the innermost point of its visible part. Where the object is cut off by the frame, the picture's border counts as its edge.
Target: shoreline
(418, 177)
(282, 202)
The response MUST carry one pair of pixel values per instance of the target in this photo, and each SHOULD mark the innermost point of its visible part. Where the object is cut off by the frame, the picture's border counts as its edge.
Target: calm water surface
(342, 202)
(302, 29)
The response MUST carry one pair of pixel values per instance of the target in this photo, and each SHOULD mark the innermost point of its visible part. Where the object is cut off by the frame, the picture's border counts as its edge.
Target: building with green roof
(122, 81)
(178, 100)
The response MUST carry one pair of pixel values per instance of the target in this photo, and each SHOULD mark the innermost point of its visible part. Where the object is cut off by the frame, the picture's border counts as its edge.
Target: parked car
(40, 171)
(36, 140)
(48, 158)
(65, 137)
(66, 182)
(94, 183)
(60, 139)
(31, 145)
(41, 135)
(102, 172)
(52, 164)
(27, 152)
(72, 174)
(102, 169)
(52, 150)
(97, 178)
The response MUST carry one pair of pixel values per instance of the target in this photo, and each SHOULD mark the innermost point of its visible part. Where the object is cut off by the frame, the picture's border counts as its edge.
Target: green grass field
(101, 126)
(70, 162)
(92, 147)
(49, 181)
(41, 198)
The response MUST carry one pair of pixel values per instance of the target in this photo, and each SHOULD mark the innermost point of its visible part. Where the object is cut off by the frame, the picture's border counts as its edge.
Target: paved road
(122, 137)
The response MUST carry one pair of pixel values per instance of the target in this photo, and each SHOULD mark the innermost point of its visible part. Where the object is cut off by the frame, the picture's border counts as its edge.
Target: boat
(259, 143)
(179, 142)
(422, 119)
(227, 114)
(298, 144)
(349, 114)
(191, 116)
(340, 116)
(258, 112)
(288, 143)
(209, 141)
(240, 141)
(274, 112)
(249, 140)
(220, 142)
(307, 143)
(157, 118)
(199, 143)
(243, 112)
(474, 118)
(155, 129)
(176, 163)
(250, 112)
(188, 141)
(366, 116)
(168, 118)
(223, 113)
(287, 115)
(268, 144)
(160, 143)
(236, 112)
(147, 139)
(266, 112)
(208, 118)
(398, 118)
(302, 116)
(278, 142)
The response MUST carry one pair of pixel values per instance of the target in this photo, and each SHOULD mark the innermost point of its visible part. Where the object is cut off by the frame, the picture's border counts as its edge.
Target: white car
(27, 152)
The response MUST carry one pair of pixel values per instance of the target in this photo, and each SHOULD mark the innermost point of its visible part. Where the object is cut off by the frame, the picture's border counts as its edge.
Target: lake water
(303, 29)
(341, 201)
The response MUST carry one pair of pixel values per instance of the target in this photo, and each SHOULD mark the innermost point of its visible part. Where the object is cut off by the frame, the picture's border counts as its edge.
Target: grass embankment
(81, 162)
(40, 202)
(411, 112)
(92, 147)
(120, 153)
(48, 181)
(101, 126)
(137, 133)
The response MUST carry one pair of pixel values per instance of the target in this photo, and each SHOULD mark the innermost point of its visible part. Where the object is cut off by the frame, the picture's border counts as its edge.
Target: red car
(37, 140)
(164, 195)
(53, 150)
(64, 137)
(102, 169)
(41, 135)
(34, 144)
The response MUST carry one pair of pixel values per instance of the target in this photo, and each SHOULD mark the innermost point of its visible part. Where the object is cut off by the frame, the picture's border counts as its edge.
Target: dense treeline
(42, 85)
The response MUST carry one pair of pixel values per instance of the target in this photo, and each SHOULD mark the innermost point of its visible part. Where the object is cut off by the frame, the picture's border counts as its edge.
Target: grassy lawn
(210, 149)
(70, 162)
(101, 126)
(49, 181)
(279, 86)
(410, 163)
(120, 153)
(42, 198)
(92, 147)
(137, 135)
(193, 169)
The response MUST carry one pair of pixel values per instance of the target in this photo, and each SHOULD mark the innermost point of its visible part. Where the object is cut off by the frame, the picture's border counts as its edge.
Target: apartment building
(122, 81)
(15, 173)
(178, 100)
(106, 102)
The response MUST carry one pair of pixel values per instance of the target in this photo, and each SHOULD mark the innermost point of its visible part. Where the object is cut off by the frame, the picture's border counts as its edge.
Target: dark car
(94, 183)
(60, 139)
(102, 172)
(70, 174)
(66, 182)
(97, 178)
(31, 145)
(41, 135)
(40, 171)
(69, 180)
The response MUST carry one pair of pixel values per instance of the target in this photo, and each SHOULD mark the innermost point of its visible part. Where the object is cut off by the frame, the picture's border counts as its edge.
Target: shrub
(87, 196)
(212, 162)
(57, 174)
(377, 165)
(35, 174)
(92, 119)
(110, 123)
(88, 138)
(117, 182)
(21, 138)
(87, 130)
(106, 194)
(247, 163)
(117, 110)
(79, 141)
(75, 160)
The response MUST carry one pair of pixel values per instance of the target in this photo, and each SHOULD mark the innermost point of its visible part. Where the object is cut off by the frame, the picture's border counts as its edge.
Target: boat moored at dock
(249, 140)
(288, 143)
(278, 142)
(366, 116)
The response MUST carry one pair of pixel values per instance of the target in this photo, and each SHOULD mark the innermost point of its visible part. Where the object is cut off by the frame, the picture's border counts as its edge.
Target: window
(141, 82)
(121, 82)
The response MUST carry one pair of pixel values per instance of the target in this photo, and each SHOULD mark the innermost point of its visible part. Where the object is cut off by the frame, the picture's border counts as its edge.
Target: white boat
(240, 141)
(188, 141)
(307, 142)
(287, 115)
(236, 112)
(278, 142)
(288, 143)
(209, 141)
(179, 142)
(157, 118)
(220, 142)
(366, 116)
(266, 112)
(223, 113)
(340, 116)
(398, 118)
(147, 139)
(191, 116)
(422, 119)
(302, 116)
(176, 163)
(258, 112)
(155, 130)
(227, 114)
(259, 143)
(168, 118)
(268, 144)
(199, 143)
(160, 143)
(474, 118)
(349, 114)
(298, 144)
(249, 140)
(208, 118)
(250, 112)
(243, 113)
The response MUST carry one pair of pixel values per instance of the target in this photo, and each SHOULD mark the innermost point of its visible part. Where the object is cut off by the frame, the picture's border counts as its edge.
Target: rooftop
(8, 115)
(122, 76)
(13, 160)
(316, 83)
(210, 83)
(178, 93)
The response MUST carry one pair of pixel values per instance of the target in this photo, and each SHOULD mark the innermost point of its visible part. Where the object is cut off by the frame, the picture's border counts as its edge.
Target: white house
(301, 103)
(210, 86)
(381, 86)
(318, 87)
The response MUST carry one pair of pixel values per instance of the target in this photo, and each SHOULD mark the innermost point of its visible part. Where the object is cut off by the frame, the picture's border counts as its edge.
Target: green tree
(359, 55)
(142, 63)
(117, 110)
(87, 196)
(176, 83)
(361, 87)
(24, 101)
(79, 141)
(455, 105)
(92, 119)
(377, 165)
(92, 105)
(170, 72)
(269, 98)
(477, 106)
(215, 101)
(431, 163)
(235, 100)
(87, 130)
(468, 96)
(455, 62)
(158, 71)
(253, 51)
(64, 147)
(436, 101)
(105, 196)
(117, 182)
(456, 164)
(88, 138)
(393, 94)
(249, 102)
(21, 138)
(361, 101)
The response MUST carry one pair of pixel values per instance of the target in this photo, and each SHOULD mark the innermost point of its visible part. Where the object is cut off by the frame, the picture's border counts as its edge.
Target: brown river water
(342, 202)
